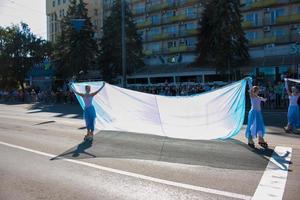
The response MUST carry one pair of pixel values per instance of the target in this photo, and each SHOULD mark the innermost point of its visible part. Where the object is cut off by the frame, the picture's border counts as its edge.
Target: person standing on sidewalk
(278, 93)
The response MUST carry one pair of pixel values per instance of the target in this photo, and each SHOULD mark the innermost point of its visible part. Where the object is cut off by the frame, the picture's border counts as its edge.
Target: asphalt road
(42, 156)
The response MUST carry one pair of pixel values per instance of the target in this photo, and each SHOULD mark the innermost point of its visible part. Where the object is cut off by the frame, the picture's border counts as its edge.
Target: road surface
(42, 156)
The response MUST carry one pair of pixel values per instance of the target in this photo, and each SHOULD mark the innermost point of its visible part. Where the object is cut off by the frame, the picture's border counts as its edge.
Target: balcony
(189, 32)
(148, 52)
(261, 4)
(262, 41)
(288, 19)
(182, 48)
(295, 37)
(144, 24)
(159, 37)
(134, 1)
(247, 24)
(158, 7)
(138, 12)
(270, 40)
(187, 2)
(174, 18)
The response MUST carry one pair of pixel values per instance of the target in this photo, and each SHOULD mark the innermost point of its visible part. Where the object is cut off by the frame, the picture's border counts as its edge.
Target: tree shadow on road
(225, 154)
(61, 110)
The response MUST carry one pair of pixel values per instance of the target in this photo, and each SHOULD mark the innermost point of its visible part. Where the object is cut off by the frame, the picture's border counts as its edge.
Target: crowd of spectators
(176, 90)
(273, 91)
(32, 95)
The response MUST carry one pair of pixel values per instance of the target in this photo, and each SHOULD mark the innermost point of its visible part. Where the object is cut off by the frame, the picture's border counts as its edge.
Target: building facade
(273, 30)
(169, 28)
(57, 9)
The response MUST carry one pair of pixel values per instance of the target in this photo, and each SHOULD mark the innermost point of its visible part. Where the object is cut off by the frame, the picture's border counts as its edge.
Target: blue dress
(256, 126)
(293, 112)
(89, 112)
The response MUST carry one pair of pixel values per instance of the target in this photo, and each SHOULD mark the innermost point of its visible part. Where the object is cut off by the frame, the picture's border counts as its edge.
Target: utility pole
(123, 42)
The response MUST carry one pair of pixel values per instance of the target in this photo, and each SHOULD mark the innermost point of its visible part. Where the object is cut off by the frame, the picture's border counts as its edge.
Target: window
(171, 2)
(252, 17)
(248, 2)
(155, 2)
(154, 31)
(53, 3)
(251, 35)
(155, 19)
(139, 8)
(170, 13)
(139, 20)
(155, 47)
(172, 44)
(298, 9)
(190, 12)
(190, 26)
(171, 30)
(191, 42)
(58, 2)
(279, 32)
(64, 1)
(276, 13)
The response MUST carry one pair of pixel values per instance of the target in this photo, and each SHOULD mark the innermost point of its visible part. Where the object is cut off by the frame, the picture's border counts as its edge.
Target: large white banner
(211, 115)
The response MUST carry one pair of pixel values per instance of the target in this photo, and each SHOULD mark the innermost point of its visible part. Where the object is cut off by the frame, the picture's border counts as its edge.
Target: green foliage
(221, 39)
(110, 58)
(75, 51)
(20, 50)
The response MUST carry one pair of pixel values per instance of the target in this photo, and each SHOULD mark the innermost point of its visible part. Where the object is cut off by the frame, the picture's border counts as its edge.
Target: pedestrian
(89, 110)
(293, 110)
(278, 93)
(255, 127)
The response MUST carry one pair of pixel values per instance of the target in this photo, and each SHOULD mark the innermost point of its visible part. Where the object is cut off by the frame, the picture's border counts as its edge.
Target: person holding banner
(293, 110)
(256, 127)
(89, 110)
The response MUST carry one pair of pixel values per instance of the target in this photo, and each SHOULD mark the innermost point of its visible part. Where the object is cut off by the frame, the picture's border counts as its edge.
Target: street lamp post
(123, 35)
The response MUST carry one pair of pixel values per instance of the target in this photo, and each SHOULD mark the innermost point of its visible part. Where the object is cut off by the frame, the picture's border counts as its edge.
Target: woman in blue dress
(293, 110)
(255, 127)
(89, 110)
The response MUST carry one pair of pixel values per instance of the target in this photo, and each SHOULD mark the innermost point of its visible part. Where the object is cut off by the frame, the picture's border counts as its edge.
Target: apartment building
(169, 28)
(57, 9)
(273, 30)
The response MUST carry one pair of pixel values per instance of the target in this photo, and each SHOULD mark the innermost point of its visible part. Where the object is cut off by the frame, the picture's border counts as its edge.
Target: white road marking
(272, 183)
(139, 176)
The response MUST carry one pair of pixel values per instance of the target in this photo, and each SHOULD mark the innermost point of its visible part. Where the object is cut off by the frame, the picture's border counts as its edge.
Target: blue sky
(32, 12)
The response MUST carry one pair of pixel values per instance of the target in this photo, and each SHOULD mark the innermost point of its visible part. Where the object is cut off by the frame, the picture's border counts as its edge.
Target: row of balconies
(287, 38)
(172, 50)
(267, 3)
(287, 19)
(164, 6)
(271, 40)
(165, 36)
(166, 20)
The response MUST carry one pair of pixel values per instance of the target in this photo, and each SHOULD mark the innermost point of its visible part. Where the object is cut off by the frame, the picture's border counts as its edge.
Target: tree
(76, 49)
(20, 51)
(110, 58)
(221, 39)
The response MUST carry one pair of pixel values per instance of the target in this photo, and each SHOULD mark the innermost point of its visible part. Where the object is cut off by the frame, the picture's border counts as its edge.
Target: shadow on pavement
(225, 154)
(61, 110)
(79, 150)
